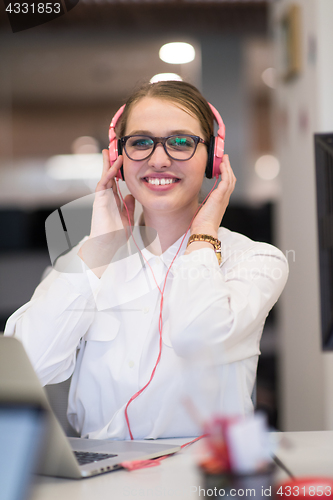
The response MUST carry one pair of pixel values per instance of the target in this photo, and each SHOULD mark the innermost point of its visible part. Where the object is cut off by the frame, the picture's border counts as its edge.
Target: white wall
(303, 106)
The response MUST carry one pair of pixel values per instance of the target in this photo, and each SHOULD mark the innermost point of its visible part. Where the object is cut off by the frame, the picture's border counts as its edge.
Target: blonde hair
(183, 94)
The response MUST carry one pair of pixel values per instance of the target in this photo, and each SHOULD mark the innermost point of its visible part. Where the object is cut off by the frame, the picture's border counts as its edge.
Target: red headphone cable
(160, 322)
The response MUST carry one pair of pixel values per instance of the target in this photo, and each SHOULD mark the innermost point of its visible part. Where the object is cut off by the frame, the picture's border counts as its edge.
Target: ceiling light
(163, 77)
(85, 145)
(177, 53)
(85, 166)
(267, 167)
(269, 77)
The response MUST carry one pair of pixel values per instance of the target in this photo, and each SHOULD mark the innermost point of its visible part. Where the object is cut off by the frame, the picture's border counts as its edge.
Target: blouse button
(131, 363)
(145, 310)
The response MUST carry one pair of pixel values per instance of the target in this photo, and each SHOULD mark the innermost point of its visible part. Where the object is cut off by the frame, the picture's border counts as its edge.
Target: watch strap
(209, 239)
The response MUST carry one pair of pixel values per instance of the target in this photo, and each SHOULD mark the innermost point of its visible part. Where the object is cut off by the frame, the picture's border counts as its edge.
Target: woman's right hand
(108, 213)
(110, 222)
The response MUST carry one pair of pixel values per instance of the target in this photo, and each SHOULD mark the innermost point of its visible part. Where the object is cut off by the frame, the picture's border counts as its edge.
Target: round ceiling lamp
(267, 167)
(177, 53)
(163, 77)
(85, 145)
(269, 77)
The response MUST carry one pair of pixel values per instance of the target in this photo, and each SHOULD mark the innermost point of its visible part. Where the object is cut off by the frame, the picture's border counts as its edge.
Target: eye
(140, 142)
(180, 142)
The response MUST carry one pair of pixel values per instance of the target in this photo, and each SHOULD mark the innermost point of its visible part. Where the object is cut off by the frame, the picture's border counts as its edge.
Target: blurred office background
(61, 83)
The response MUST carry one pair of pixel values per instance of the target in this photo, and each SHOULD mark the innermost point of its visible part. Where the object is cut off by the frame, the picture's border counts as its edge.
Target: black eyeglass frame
(162, 140)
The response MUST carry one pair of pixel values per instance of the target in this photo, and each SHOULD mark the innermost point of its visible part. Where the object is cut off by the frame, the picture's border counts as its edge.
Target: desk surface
(307, 453)
(177, 477)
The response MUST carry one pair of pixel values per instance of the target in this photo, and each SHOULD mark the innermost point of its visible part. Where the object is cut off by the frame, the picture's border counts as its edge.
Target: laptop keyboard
(86, 457)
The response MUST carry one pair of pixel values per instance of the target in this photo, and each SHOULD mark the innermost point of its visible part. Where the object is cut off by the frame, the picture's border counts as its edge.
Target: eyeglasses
(178, 147)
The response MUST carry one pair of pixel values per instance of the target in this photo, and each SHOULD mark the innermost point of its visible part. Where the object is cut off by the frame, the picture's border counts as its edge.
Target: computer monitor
(324, 182)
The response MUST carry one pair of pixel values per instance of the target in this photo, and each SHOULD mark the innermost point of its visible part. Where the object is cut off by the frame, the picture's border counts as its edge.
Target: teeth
(160, 182)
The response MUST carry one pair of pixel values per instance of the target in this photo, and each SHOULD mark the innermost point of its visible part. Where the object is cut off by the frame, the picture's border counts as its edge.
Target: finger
(228, 173)
(227, 162)
(104, 180)
(108, 176)
(232, 175)
(111, 175)
(225, 173)
(228, 179)
(106, 161)
(113, 170)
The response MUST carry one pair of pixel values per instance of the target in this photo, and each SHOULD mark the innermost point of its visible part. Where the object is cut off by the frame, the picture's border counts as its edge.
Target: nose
(159, 158)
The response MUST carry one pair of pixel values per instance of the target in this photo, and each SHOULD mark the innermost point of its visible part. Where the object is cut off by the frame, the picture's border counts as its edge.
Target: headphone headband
(215, 151)
(114, 121)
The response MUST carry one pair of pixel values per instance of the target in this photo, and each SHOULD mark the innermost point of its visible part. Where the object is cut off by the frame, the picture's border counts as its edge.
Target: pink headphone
(215, 149)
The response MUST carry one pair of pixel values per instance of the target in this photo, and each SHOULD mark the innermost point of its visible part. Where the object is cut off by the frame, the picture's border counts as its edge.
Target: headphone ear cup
(120, 148)
(218, 156)
(113, 149)
(120, 173)
(210, 161)
(114, 152)
(217, 150)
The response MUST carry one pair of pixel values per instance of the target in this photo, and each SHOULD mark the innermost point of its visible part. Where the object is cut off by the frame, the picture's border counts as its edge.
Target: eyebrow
(172, 132)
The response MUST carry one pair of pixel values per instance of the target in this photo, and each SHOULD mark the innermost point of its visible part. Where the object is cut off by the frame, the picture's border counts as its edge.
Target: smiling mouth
(160, 182)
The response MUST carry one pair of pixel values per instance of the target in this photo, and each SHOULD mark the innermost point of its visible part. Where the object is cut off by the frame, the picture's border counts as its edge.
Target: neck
(169, 227)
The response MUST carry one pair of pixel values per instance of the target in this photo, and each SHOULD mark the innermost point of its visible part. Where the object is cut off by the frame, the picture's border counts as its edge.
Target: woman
(146, 325)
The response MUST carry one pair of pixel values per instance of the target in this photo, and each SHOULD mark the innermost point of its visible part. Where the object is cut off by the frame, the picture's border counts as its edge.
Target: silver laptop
(65, 457)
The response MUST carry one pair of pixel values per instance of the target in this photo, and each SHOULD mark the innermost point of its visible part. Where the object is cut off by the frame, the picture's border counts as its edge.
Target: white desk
(177, 477)
(307, 453)
(174, 478)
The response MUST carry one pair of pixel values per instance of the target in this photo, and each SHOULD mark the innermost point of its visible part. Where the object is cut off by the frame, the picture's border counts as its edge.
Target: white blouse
(104, 332)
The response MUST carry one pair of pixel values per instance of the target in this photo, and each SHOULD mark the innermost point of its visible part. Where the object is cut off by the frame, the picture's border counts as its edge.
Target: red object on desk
(305, 488)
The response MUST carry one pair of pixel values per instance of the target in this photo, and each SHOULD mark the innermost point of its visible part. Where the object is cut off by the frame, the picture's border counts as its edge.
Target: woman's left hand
(208, 219)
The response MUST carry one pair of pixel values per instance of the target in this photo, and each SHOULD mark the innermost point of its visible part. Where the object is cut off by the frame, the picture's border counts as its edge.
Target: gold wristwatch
(209, 239)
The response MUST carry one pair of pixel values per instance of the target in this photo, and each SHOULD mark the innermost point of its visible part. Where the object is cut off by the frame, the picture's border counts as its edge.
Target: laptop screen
(21, 430)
